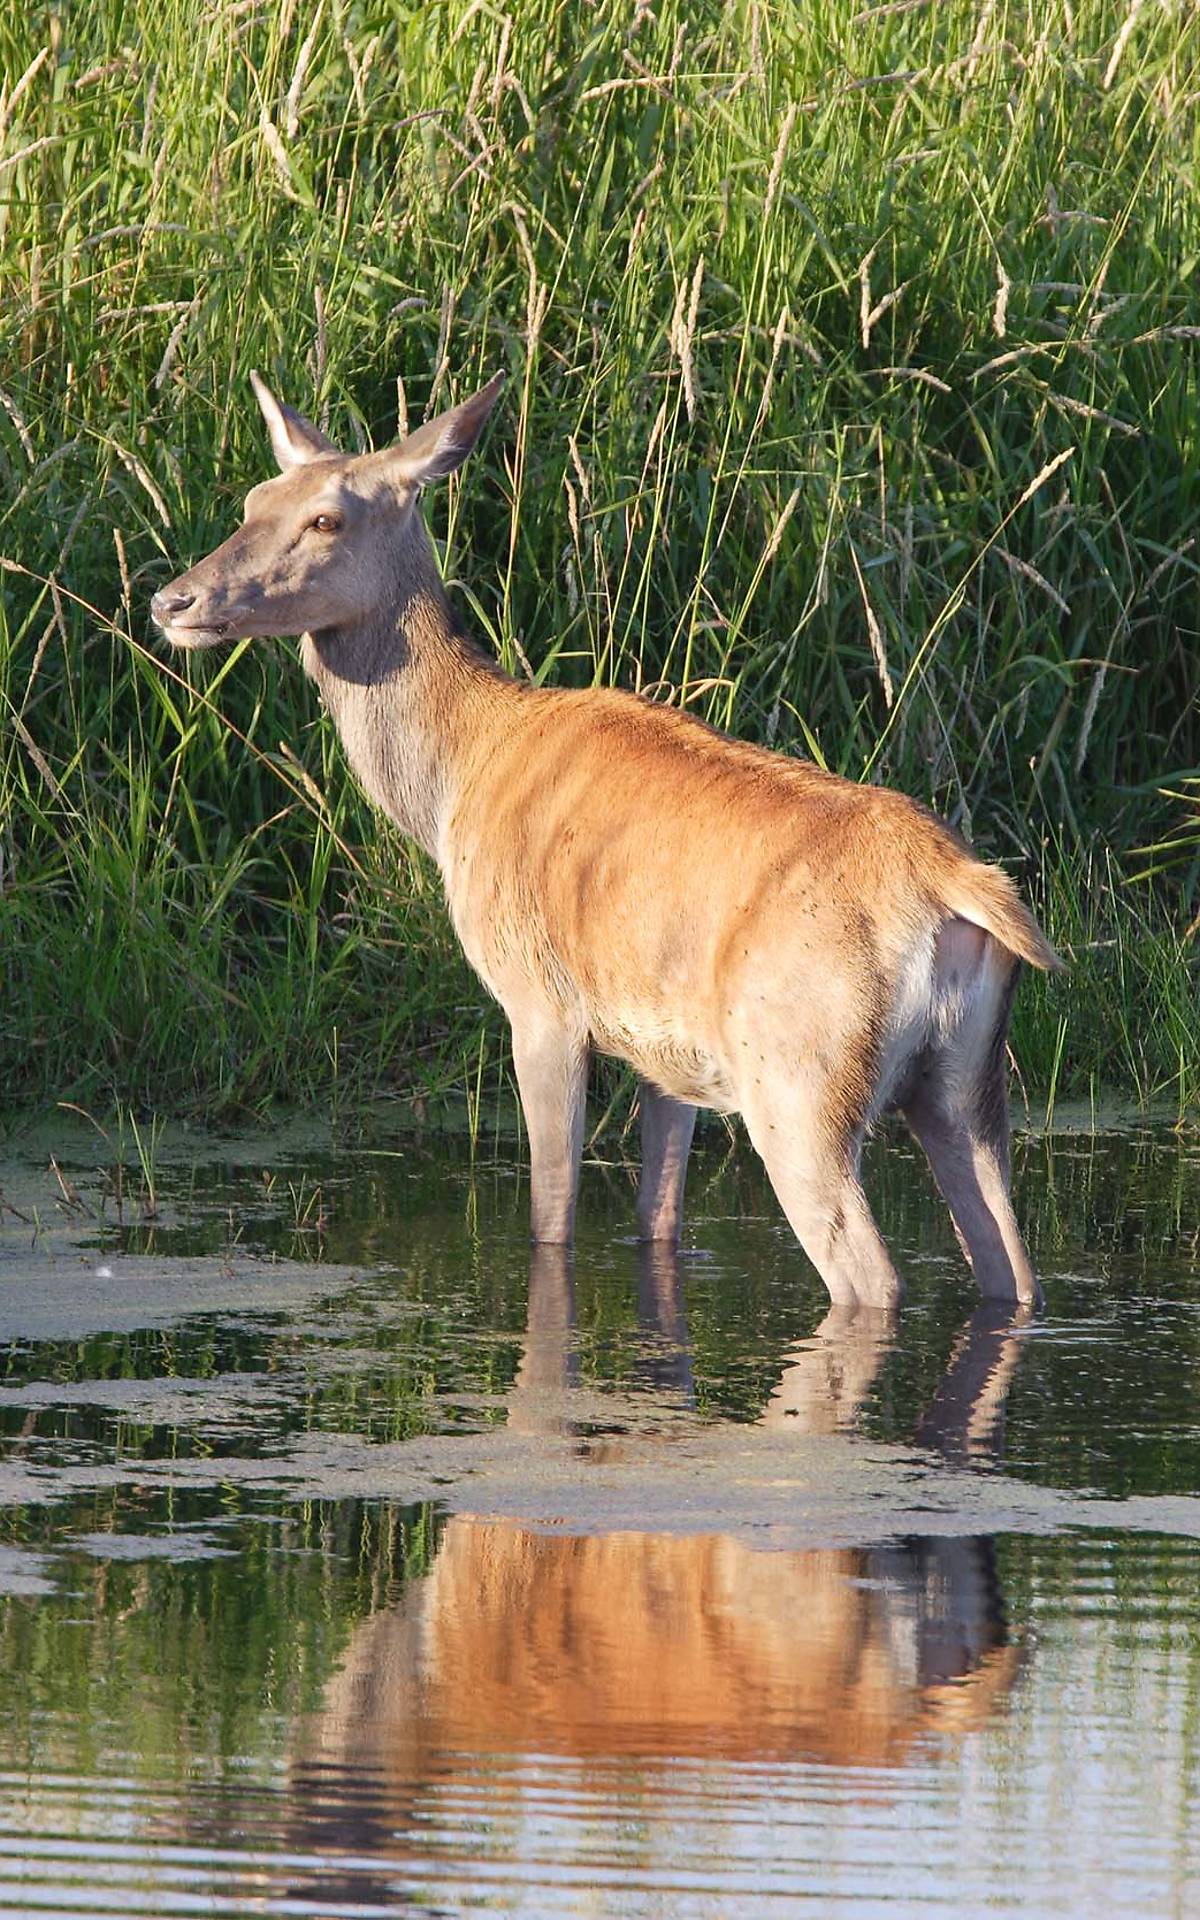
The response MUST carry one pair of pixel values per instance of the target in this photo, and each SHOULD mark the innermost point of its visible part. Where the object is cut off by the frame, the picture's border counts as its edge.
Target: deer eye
(326, 523)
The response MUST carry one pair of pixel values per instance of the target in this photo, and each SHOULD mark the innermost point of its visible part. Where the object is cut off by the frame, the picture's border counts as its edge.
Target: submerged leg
(551, 1064)
(667, 1128)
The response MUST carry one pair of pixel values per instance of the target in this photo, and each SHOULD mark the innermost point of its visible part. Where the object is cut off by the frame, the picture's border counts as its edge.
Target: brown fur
(747, 931)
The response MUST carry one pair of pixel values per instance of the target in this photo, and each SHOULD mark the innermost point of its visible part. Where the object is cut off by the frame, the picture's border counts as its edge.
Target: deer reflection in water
(657, 1645)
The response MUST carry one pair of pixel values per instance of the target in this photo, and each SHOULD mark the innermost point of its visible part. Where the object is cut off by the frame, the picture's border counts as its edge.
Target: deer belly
(673, 1063)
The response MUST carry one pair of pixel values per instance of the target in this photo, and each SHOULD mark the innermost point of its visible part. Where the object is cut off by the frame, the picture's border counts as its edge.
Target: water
(354, 1563)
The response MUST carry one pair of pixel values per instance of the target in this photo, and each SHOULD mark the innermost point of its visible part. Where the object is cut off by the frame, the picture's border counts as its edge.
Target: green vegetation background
(853, 358)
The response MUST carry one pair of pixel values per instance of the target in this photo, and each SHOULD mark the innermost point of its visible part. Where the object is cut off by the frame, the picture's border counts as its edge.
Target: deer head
(324, 544)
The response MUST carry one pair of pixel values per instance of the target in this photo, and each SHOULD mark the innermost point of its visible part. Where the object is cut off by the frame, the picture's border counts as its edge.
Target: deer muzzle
(188, 621)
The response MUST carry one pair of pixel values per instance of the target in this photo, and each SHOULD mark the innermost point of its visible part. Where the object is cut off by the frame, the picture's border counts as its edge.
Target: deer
(746, 930)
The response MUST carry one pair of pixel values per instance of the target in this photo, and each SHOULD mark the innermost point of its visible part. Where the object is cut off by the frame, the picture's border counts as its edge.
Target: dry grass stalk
(1174, 559)
(776, 174)
(868, 314)
(875, 635)
(864, 295)
(10, 101)
(567, 559)
(1089, 714)
(50, 627)
(978, 43)
(580, 470)
(501, 62)
(19, 427)
(291, 119)
(1016, 565)
(103, 71)
(777, 531)
(777, 339)
(683, 333)
(320, 351)
(302, 774)
(1120, 44)
(26, 153)
(870, 15)
(174, 341)
(38, 757)
(476, 6)
(1000, 310)
(441, 357)
(123, 566)
(913, 373)
(1069, 404)
(1010, 359)
(137, 468)
(1039, 479)
(273, 141)
(882, 306)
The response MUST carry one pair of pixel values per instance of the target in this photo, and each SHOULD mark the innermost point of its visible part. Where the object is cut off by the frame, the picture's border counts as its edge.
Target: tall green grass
(854, 358)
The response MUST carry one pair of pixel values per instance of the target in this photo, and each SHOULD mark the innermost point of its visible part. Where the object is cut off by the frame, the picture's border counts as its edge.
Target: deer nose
(168, 603)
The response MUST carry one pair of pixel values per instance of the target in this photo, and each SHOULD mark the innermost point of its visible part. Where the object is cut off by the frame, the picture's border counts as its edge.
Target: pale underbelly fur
(669, 1062)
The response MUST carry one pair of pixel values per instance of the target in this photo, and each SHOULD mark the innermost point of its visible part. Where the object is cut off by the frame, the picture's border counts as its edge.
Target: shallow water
(354, 1563)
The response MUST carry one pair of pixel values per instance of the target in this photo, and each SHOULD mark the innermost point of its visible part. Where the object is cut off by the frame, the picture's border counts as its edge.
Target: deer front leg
(667, 1127)
(551, 1063)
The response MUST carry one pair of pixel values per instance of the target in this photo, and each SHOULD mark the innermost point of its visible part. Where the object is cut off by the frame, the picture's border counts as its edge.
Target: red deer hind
(749, 932)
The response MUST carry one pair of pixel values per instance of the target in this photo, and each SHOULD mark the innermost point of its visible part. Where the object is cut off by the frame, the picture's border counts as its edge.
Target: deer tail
(988, 898)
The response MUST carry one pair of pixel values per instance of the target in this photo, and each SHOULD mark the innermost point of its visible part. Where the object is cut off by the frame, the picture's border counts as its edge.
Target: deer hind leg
(550, 1057)
(957, 1107)
(667, 1128)
(812, 1155)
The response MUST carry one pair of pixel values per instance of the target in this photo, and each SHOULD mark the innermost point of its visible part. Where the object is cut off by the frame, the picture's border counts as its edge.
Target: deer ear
(441, 445)
(294, 438)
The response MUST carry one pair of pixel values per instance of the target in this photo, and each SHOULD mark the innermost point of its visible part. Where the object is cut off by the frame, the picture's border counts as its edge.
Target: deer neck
(413, 700)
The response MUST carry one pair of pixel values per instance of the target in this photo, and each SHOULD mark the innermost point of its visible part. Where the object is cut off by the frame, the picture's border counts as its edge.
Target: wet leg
(667, 1354)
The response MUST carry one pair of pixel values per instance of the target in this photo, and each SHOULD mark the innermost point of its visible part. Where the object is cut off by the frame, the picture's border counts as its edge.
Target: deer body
(747, 931)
